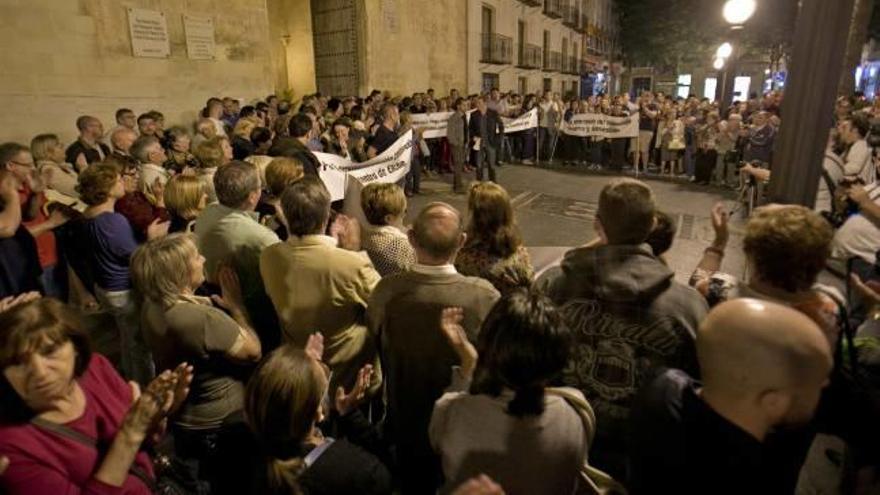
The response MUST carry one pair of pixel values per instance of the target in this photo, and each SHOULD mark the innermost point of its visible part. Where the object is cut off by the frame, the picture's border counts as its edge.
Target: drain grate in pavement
(686, 226)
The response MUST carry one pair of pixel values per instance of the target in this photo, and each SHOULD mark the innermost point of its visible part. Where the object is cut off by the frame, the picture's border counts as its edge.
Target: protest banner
(528, 120)
(434, 124)
(600, 125)
(390, 166)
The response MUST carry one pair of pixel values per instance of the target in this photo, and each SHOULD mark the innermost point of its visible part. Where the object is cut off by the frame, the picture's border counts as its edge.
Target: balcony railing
(531, 3)
(528, 56)
(553, 8)
(571, 16)
(552, 61)
(496, 49)
(585, 23)
(572, 66)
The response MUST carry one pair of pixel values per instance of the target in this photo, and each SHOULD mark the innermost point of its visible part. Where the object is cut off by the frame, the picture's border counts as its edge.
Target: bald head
(436, 234)
(748, 345)
(762, 364)
(122, 139)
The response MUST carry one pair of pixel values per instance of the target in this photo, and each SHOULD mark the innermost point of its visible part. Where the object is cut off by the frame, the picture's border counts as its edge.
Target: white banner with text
(600, 125)
(390, 166)
(433, 125)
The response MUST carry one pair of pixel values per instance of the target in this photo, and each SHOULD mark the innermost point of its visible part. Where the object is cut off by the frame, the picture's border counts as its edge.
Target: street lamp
(718, 64)
(724, 51)
(737, 12)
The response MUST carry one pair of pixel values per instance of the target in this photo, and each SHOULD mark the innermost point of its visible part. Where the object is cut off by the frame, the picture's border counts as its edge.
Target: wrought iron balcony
(572, 66)
(529, 56)
(496, 49)
(585, 23)
(553, 8)
(552, 61)
(531, 3)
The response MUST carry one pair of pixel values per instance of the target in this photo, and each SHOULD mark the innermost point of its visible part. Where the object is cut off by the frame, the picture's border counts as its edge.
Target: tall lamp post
(736, 13)
(807, 108)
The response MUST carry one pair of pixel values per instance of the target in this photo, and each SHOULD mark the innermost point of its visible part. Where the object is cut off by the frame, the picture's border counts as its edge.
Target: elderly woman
(284, 403)
(212, 154)
(205, 130)
(177, 147)
(180, 326)
(384, 206)
(68, 422)
(494, 249)
(500, 396)
(185, 198)
(49, 157)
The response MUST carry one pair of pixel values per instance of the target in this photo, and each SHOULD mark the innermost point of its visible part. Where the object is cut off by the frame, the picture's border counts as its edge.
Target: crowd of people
(269, 343)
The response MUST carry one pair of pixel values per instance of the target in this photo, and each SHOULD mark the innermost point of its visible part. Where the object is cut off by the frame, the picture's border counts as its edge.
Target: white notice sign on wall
(199, 37)
(149, 33)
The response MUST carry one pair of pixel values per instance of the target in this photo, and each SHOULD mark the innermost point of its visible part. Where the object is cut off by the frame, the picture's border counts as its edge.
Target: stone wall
(64, 58)
(412, 45)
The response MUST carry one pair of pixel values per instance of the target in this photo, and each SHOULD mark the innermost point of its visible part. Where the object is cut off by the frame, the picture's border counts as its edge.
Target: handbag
(593, 481)
(162, 485)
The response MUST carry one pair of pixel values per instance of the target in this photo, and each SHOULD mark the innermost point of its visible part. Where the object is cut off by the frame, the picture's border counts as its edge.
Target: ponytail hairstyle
(282, 401)
(523, 346)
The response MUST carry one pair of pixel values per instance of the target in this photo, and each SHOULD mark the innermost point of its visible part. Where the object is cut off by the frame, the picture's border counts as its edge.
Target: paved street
(555, 208)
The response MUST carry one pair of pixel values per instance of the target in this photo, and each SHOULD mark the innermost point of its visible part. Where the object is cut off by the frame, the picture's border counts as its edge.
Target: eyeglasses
(28, 165)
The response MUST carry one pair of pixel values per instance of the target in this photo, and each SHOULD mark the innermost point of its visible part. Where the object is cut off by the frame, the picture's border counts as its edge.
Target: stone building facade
(64, 58)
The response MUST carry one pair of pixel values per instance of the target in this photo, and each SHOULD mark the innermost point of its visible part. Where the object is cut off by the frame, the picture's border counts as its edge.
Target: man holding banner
(486, 130)
(456, 135)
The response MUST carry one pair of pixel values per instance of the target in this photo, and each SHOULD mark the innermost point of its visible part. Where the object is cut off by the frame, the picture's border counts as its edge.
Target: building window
(684, 86)
(490, 81)
(548, 84)
(523, 87)
(488, 20)
(520, 43)
(741, 88)
(710, 88)
(546, 47)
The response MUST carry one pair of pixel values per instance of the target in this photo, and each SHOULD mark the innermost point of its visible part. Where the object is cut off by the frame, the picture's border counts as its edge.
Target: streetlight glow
(718, 64)
(724, 51)
(737, 12)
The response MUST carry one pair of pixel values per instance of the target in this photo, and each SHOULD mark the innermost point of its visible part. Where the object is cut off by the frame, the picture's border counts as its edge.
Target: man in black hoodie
(295, 146)
(628, 314)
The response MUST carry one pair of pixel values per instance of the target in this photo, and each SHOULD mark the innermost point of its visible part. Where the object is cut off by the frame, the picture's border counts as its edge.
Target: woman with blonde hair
(58, 175)
(494, 249)
(284, 403)
(386, 243)
(180, 326)
(185, 197)
(212, 154)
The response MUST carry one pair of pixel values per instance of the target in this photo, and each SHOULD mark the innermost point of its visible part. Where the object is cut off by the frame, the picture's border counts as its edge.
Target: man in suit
(404, 316)
(316, 286)
(486, 130)
(456, 134)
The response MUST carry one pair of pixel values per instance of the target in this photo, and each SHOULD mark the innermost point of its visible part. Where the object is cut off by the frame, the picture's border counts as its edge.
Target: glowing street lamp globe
(718, 64)
(737, 12)
(724, 51)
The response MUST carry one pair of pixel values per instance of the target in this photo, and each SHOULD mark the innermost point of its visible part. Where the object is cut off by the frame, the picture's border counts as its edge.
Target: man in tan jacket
(316, 286)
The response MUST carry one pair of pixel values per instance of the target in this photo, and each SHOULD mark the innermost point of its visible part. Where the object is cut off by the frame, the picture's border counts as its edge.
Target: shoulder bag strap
(83, 439)
(317, 451)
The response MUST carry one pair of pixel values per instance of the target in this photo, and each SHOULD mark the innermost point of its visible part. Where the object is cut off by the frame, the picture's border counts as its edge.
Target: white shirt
(448, 269)
(858, 162)
(858, 236)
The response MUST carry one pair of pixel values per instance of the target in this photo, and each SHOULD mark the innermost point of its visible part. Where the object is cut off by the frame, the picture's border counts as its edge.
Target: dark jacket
(92, 156)
(404, 316)
(630, 318)
(494, 127)
(293, 148)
